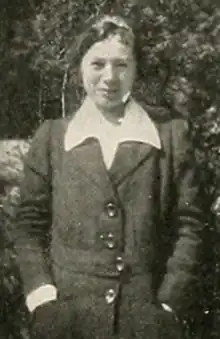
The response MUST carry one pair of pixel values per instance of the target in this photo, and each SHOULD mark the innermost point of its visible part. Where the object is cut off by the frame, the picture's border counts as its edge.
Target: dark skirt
(131, 315)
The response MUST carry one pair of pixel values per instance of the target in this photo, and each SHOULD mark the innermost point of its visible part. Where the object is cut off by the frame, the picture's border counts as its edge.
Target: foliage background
(180, 69)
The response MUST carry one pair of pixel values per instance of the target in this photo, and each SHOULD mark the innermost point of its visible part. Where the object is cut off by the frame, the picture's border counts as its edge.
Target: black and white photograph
(110, 169)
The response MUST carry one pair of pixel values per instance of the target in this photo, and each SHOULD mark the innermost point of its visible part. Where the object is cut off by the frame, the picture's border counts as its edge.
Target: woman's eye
(122, 65)
(97, 64)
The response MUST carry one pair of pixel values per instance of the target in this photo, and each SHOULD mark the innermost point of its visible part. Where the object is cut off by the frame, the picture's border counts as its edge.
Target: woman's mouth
(108, 91)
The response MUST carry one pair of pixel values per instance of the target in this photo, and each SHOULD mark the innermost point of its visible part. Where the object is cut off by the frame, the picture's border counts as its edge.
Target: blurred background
(180, 69)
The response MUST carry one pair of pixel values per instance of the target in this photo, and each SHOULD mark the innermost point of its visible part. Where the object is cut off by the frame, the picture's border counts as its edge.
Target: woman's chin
(108, 104)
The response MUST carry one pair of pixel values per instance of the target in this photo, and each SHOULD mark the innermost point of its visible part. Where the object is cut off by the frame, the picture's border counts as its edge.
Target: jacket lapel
(130, 155)
(88, 160)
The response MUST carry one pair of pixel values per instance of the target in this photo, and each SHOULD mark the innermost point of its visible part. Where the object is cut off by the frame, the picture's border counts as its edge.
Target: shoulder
(59, 125)
(165, 116)
(173, 127)
(48, 134)
(169, 122)
(48, 126)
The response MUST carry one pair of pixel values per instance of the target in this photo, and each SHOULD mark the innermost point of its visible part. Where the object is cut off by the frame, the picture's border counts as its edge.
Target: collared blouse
(89, 122)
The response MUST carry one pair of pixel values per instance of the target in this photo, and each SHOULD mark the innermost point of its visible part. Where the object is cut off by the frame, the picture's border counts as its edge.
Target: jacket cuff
(167, 308)
(41, 295)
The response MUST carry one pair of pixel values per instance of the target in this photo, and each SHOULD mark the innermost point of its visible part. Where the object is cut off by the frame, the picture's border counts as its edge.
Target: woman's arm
(31, 232)
(183, 265)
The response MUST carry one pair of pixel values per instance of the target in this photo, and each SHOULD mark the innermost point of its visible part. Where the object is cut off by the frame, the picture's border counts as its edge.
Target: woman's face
(108, 72)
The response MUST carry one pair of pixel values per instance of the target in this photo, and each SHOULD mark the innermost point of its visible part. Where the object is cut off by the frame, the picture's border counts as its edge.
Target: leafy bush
(180, 69)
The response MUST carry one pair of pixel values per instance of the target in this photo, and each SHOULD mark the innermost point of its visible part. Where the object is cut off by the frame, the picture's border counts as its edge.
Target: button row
(108, 240)
(120, 265)
(110, 296)
(111, 209)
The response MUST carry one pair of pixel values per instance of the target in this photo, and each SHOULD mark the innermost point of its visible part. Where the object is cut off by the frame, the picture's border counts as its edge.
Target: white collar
(89, 122)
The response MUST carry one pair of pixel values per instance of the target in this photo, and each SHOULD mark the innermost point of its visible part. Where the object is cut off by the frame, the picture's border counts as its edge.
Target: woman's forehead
(109, 48)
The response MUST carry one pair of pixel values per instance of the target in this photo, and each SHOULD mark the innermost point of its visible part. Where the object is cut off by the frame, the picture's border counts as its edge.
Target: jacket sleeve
(182, 269)
(31, 231)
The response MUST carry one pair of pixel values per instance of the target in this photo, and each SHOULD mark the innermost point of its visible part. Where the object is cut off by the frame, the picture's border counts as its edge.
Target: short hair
(98, 30)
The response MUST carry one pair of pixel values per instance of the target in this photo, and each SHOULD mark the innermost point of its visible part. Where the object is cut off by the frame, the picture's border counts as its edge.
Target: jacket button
(112, 210)
(120, 264)
(110, 241)
(110, 296)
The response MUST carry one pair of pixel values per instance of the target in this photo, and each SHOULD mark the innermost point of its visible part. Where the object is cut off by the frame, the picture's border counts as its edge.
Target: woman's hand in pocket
(51, 321)
(169, 324)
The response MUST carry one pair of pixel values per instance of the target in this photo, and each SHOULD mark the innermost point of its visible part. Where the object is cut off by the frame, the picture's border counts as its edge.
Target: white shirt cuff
(167, 308)
(40, 296)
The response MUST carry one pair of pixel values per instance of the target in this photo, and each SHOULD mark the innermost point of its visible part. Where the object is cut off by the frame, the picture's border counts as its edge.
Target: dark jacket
(116, 243)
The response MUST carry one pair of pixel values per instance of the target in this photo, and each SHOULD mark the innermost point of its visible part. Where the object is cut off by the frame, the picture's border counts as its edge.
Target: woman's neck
(114, 115)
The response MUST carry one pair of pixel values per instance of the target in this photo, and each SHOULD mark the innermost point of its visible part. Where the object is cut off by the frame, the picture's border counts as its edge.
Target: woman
(109, 223)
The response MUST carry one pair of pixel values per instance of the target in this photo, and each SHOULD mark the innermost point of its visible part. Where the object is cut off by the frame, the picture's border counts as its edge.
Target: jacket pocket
(169, 325)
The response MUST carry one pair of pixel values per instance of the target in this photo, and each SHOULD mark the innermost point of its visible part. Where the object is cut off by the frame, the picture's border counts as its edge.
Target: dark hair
(98, 30)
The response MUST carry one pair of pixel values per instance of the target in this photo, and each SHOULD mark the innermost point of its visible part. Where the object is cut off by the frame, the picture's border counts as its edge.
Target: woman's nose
(109, 73)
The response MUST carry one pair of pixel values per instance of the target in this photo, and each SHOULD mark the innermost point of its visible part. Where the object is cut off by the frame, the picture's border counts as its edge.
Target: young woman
(109, 225)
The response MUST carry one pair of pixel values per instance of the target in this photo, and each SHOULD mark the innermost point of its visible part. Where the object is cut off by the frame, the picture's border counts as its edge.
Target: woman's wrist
(167, 308)
(40, 296)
